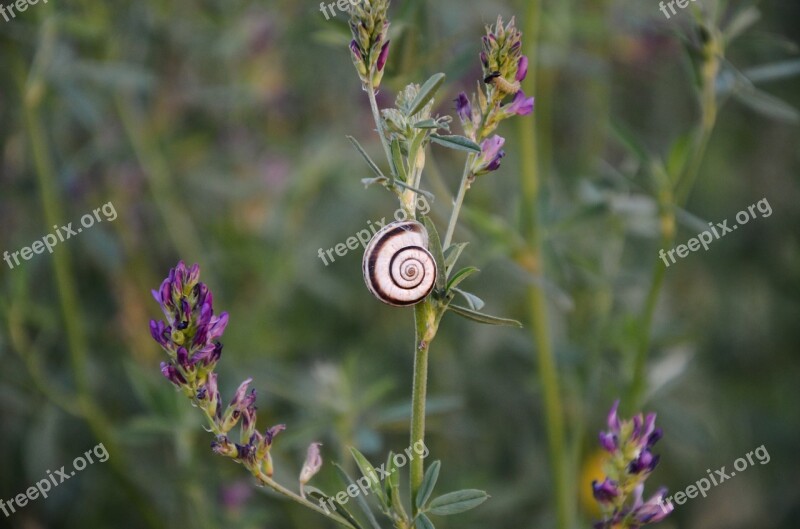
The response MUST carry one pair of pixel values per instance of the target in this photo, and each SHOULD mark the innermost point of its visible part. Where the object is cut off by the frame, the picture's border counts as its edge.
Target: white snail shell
(398, 268)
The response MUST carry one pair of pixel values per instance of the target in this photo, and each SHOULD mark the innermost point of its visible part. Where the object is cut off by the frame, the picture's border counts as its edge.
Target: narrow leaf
(460, 276)
(453, 141)
(474, 302)
(483, 318)
(457, 502)
(423, 522)
(453, 252)
(397, 160)
(435, 247)
(360, 149)
(368, 471)
(428, 483)
(426, 93)
(360, 500)
(427, 194)
(426, 124)
(339, 509)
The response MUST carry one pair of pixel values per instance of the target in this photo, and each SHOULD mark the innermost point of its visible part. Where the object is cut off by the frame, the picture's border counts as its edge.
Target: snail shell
(398, 268)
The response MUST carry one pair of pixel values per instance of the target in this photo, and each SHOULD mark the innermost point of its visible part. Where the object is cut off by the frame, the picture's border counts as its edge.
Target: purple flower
(613, 419)
(632, 461)
(383, 55)
(172, 374)
(605, 492)
(522, 68)
(491, 154)
(356, 51)
(463, 108)
(312, 464)
(653, 510)
(241, 399)
(608, 441)
(520, 105)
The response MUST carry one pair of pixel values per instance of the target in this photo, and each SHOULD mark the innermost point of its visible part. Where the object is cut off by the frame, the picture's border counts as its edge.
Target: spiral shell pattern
(398, 268)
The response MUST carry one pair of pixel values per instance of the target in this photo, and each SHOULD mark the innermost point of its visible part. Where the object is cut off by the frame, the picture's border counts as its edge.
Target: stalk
(68, 299)
(462, 191)
(537, 302)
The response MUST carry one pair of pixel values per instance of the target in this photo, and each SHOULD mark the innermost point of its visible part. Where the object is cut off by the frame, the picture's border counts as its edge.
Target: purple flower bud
(312, 464)
(657, 434)
(270, 434)
(653, 510)
(606, 491)
(241, 399)
(484, 59)
(613, 419)
(608, 441)
(383, 55)
(356, 51)
(522, 68)
(172, 374)
(463, 108)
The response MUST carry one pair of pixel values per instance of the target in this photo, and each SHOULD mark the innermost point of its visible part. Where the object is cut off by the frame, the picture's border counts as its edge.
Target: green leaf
(426, 124)
(393, 486)
(457, 502)
(454, 141)
(360, 500)
(474, 302)
(428, 483)
(423, 522)
(741, 22)
(435, 247)
(427, 194)
(397, 161)
(426, 93)
(483, 318)
(318, 495)
(774, 71)
(368, 471)
(372, 164)
(768, 105)
(453, 252)
(678, 155)
(416, 145)
(460, 276)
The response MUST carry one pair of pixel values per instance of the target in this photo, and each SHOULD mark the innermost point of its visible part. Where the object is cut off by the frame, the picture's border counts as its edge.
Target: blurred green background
(217, 129)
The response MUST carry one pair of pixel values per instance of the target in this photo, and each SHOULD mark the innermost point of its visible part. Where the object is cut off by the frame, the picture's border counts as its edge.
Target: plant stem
(537, 302)
(70, 307)
(376, 115)
(280, 489)
(684, 182)
(426, 316)
(462, 191)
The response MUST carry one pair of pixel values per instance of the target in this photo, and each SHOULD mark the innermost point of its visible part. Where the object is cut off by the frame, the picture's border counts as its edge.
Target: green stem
(462, 191)
(537, 302)
(280, 489)
(376, 115)
(70, 308)
(422, 312)
(684, 182)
